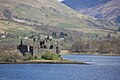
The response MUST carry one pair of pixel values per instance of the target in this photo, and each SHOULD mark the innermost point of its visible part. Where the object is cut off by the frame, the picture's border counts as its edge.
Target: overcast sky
(60, 0)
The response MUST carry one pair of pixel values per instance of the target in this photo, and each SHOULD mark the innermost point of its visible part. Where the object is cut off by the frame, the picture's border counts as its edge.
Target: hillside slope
(39, 11)
(48, 12)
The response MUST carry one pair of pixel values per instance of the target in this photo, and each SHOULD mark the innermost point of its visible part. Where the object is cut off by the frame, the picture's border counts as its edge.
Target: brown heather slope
(46, 11)
(49, 12)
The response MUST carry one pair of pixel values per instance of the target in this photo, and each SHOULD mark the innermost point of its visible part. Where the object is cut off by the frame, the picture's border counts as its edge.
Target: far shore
(46, 62)
(65, 52)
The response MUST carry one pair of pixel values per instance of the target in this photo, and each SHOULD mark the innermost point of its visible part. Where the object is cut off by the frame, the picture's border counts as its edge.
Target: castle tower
(21, 43)
(58, 49)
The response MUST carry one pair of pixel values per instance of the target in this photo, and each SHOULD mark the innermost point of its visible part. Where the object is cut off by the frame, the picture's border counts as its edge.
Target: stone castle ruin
(40, 45)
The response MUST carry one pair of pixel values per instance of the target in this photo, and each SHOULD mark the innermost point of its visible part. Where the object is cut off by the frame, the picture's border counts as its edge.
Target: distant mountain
(80, 4)
(105, 9)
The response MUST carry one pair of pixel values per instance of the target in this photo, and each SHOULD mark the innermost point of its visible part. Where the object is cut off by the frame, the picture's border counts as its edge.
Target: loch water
(101, 68)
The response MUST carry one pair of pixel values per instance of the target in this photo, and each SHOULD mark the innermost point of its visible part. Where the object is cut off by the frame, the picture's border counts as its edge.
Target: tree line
(97, 46)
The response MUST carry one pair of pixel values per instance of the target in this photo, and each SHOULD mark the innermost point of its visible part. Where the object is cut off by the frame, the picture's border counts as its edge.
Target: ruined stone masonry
(40, 45)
